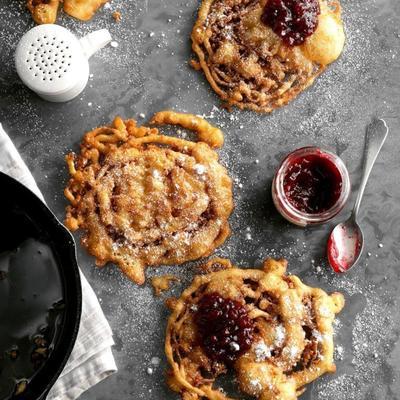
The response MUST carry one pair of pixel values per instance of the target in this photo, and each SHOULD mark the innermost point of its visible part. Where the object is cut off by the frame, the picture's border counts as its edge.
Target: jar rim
(313, 217)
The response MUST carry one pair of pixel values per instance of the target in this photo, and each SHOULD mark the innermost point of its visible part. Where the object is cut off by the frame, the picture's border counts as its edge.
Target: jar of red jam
(311, 186)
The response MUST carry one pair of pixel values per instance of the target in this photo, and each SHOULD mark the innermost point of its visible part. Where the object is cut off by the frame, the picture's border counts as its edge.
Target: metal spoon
(346, 241)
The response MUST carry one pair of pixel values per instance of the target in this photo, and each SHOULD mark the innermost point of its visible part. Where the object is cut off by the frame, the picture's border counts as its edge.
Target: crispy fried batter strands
(43, 11)
(143, 199)
(206, 132)
(294, 335)
(248, 65)
(162, 283)
(82, 9)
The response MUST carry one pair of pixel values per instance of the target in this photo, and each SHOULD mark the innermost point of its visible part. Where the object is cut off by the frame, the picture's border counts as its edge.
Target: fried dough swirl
(248, 65)
(145, 199)
(292, 342)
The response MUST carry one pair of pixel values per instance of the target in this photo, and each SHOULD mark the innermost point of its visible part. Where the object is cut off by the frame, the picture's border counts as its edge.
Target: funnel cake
(144, 199)
(43, 11)
(272, 330)
(247, 57)
(82, 9)
(46, 11)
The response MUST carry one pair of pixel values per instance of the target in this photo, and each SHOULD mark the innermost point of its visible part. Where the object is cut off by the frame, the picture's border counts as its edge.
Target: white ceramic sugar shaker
(53, 62)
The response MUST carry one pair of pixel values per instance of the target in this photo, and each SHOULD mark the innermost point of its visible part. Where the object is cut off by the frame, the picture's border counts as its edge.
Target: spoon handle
(376, 135)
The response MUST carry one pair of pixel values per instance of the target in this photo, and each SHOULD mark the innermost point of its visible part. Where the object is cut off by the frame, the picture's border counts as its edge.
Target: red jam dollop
(312, 184)
(292, 20)
(225, 329)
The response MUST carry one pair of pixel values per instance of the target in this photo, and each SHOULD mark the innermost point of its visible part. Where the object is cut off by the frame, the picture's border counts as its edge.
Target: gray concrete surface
(149, 72)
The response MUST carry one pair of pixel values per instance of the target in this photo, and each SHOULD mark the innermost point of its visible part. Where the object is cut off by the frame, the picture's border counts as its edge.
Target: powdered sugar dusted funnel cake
(53, 62)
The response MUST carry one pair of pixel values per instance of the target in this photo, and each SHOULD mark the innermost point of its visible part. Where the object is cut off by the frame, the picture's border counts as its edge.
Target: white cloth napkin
(91, 360)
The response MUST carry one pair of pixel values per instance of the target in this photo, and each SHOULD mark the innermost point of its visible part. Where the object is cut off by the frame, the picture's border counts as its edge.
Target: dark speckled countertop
(149, 72)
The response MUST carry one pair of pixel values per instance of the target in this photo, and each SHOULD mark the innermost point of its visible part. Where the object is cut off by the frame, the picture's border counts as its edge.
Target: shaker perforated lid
(51, 61)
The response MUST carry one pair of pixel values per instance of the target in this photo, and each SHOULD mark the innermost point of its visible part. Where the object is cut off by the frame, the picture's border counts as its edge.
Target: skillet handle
(44, 395)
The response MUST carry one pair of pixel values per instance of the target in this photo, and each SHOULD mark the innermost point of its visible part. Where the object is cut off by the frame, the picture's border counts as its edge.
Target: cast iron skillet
(17, 201)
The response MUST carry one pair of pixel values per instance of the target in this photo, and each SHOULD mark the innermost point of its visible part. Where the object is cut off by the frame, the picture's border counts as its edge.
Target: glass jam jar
(311, 186)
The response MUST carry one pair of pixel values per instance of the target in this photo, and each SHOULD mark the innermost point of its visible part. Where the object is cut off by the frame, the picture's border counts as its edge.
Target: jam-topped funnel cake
(272, 330)
(260, 54)
(142, 198)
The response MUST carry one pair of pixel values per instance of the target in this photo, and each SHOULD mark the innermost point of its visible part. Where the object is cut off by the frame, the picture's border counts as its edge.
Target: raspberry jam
(225, 329)
(292, 20)
(311, 186)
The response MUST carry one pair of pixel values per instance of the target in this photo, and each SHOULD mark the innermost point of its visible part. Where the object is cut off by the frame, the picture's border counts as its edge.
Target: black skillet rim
(63, 245)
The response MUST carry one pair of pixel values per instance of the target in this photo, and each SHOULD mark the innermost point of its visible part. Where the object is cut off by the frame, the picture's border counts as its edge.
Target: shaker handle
(95, 41)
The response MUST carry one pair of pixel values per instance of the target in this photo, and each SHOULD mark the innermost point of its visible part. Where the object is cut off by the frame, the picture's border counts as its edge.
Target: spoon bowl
(346, 241)
(345, 245)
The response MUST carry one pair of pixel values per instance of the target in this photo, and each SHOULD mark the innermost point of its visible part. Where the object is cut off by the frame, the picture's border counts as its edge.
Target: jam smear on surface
(225, 329)
(312, 184)
(292, 20)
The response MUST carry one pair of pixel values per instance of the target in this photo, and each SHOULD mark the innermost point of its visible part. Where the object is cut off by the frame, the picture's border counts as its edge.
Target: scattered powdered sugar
(255, 386)
(155, 361)
(325, 311)
(280, 335)
(291, 351)
(234, 346)
(156, 174)
(200, 169)
(360, 358)
(262, 351)
(148, 72)
(317, 335)
(339, 352)
(117, 245)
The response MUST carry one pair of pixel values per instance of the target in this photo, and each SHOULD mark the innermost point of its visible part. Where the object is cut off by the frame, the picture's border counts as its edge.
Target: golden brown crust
(216, 264)
(82, 9)
(144, 199)
(247, 64)
(206, 132)
(162, 283)
(294, 336)
(43, 11)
